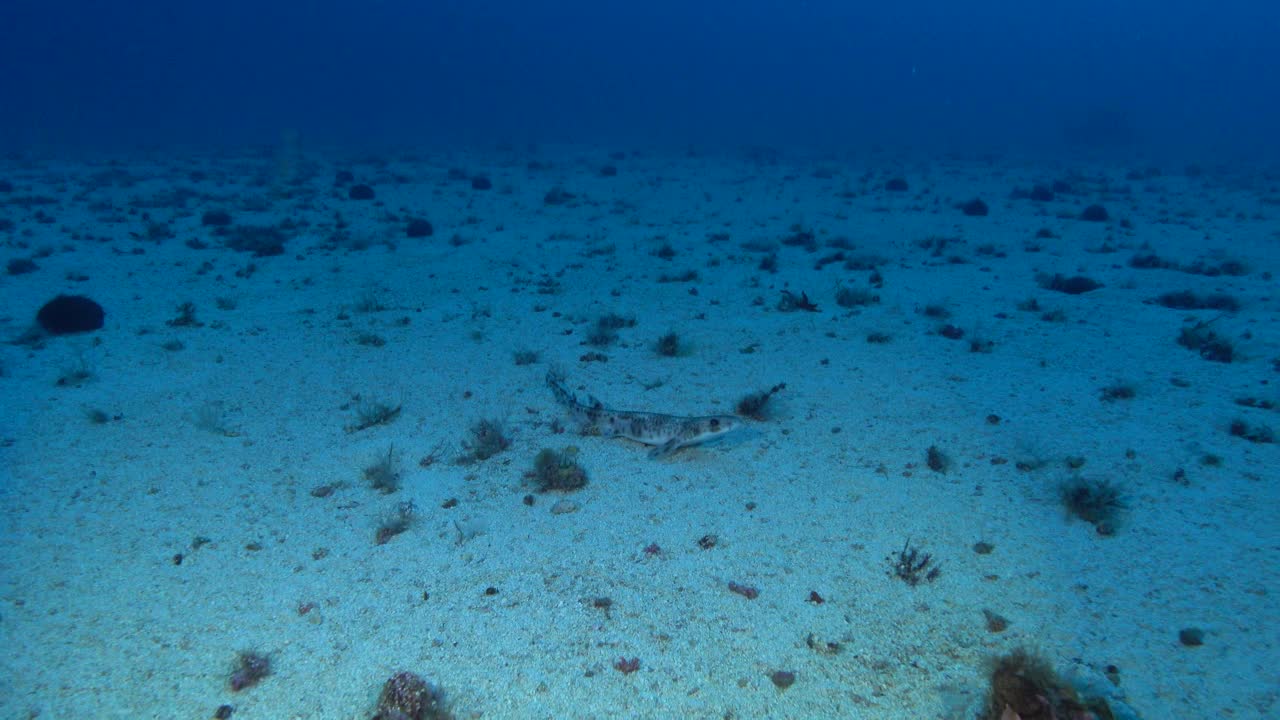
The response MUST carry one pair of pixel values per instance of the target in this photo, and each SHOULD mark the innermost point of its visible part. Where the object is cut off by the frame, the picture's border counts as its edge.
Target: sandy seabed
(181, 486)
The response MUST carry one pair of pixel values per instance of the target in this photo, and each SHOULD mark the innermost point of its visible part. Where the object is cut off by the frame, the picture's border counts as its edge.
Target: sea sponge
(68, 314)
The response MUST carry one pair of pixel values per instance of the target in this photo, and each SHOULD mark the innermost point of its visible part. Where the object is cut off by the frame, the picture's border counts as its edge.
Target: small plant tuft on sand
(558, 470)
(383, 474)
(1099, 502)
(371, 413)
(485, 439)
(755, 405)
(400, 519)
(912, 566)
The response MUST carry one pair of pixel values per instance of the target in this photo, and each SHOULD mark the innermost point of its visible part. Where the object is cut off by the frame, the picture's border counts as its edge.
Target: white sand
(97, 620)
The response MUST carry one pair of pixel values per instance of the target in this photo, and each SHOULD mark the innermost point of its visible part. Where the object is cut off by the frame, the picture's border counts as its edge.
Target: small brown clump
(783, 679)
(1026, 685)
(995, 622)
(1191, 637)
(937, 461)
(626, 666)
(406, 696)
(753, 406)
(251, 668)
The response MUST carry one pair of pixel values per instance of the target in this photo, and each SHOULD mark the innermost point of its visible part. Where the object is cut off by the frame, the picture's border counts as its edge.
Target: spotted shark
(665, 433)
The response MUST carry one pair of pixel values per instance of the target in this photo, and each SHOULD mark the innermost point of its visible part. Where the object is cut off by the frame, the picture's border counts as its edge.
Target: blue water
(1174, 78)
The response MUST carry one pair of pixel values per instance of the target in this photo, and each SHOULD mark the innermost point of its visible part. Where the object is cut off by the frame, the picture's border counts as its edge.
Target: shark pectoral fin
(666, 448)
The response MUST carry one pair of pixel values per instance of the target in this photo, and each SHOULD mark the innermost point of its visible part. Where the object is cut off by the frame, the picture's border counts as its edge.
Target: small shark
(666, 433)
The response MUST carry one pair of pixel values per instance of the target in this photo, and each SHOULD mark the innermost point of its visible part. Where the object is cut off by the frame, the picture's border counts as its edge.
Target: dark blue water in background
(1174, 78)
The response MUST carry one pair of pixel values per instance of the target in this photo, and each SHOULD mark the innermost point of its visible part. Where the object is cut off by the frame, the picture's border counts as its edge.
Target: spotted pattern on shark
(665, 433)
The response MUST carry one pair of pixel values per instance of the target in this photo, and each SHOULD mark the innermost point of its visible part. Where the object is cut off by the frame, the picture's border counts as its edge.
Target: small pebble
(1191, 637)
(224, 712)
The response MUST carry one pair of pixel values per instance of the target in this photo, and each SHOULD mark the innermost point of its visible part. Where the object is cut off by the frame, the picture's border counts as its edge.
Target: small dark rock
(21, 266)
(1041, 193)
(974, 208)
(996, 622)
(783, 679)
(419, 228)
(557, 196)
(937, 460)
(261, 241)
(1075, 285)
(1191, 637)
(216, 218)
(1094, 213)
